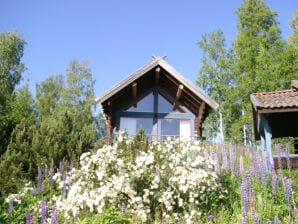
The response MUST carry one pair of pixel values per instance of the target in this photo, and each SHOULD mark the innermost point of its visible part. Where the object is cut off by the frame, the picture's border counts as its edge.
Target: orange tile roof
(276, 99)
(280, 108)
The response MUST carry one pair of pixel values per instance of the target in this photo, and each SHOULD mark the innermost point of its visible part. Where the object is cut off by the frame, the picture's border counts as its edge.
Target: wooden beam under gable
(178, 95)
(157, 75)
(134, 92)
(179, 91)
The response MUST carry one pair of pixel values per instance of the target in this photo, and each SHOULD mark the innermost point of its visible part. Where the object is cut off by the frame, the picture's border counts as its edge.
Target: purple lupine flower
(288, 156)
(225, 160)
(210, 217)
(279, 177)
(255, 217)
(260, 166)
(269, 222)
(288, 191)
(278, 149)
(61, 166)
(249, 185)
(274, 182)
(10, 208)
(257, 220)
(39, 180)
(44, 211)
(244, 197)
(237, 169)
(263, 174)
(34, 191)
(63, 193)
(295, 213)
(232, 158)
(29, 218)
(243, 218)
(45, 172)
(276, 220)
(268, 158)
(251, 169)
(214, 157)
(51, 173)
(54, 219)
(71, 166)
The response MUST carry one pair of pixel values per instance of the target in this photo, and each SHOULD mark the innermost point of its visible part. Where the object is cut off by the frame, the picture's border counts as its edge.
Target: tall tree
(289, 58)
(11, 68)
(67, 126)
(293, 39)
(215, 76)
(258, 61)
(48, 96)
(19, 160)
(256, 48)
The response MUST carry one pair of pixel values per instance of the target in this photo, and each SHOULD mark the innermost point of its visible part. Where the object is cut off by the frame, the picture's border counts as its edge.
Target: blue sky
(117, 37)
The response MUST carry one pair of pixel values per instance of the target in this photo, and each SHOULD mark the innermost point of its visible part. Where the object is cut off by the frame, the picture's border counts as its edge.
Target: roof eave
(162, 63)
(125, 82)
(212, 104)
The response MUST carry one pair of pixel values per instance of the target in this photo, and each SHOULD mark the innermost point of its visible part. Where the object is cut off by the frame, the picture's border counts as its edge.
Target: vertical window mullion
(155, 116)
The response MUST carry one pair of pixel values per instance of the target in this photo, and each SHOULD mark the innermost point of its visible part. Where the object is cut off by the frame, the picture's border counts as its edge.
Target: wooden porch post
(109, 129)
(266, 137)
(198, 120)
(296, 145)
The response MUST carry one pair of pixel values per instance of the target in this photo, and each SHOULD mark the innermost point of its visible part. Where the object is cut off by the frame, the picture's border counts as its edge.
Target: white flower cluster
(17, 198)
(173, 179)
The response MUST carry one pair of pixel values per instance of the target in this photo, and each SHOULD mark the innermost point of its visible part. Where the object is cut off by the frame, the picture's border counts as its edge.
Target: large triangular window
(144, 105)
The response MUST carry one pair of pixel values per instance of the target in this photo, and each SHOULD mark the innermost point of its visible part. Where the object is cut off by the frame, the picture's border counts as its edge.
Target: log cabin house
(159, 99)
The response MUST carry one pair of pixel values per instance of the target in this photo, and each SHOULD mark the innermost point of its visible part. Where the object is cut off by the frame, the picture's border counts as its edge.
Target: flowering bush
(170, 182)
(164, 181)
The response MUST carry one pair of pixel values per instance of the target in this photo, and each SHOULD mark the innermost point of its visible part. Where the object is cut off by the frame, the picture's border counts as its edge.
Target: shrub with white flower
(160, 181)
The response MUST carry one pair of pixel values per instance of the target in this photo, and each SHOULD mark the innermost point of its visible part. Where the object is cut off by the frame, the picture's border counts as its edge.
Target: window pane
(128, 125)
(132, 125)
(174, 128)
(146, 123)
(144, 105)
(163, 105)
(185, 129)
(168, 127)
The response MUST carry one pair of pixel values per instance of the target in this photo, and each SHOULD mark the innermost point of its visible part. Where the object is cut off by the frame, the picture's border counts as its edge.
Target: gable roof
(277, 101)
(157, 62)
(280, 109)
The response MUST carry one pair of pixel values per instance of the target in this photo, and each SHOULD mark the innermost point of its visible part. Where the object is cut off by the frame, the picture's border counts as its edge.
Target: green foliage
(58, 124)
(66, 127)
(11, 68)
(215, 76)
(101, 130)
(48, 96)
(256, 47)
(293, 39)
(18, 159)
(151, 184)
(258, 60)
(28, 200)
(108, 216)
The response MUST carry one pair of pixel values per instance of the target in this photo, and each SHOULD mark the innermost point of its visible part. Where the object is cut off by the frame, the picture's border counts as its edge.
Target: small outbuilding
(275, 114)
(159, 99)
